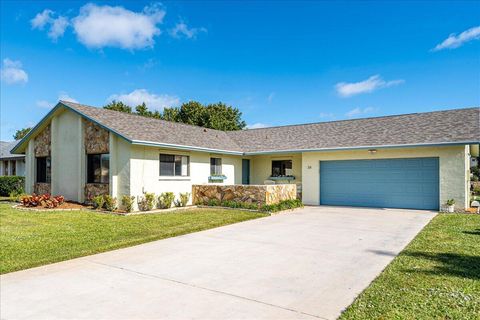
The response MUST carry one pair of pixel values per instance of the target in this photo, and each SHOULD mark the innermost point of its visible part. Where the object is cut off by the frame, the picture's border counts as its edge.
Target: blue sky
(279, 63)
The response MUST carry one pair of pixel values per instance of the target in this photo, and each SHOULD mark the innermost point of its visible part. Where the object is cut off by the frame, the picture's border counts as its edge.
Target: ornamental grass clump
(165, 200)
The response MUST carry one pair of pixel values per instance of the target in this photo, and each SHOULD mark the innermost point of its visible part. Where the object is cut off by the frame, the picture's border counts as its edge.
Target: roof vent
(204, 130)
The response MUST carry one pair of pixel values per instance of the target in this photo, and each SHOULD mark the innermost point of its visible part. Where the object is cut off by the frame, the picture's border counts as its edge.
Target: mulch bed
(64, 206)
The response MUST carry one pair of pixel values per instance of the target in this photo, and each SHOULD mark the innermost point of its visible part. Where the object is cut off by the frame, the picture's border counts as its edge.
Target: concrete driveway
(306, 264)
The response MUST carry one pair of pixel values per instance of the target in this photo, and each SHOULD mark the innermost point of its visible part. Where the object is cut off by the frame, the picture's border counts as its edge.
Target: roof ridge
(358, 119)
(139, 115)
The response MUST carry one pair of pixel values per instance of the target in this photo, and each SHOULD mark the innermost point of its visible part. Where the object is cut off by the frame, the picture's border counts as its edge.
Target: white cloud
(42, 19)
(153, 101)
(65, 97)
(46, 18)
(455, 41)
(61, 96)
(182, 30)
(270, 97)
(326, 115)
(107, 26)
(359, 112)
(373, 83)
(257, 125)
(12, 72)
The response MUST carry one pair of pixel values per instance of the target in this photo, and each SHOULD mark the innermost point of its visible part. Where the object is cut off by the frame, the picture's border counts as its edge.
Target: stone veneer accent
(43, 143)
(259, 194)
(42, 188)
(96, 138)
(95, 189)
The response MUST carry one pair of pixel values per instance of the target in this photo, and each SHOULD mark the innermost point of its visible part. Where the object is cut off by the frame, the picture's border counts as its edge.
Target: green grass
(436, 277)
(29, 239)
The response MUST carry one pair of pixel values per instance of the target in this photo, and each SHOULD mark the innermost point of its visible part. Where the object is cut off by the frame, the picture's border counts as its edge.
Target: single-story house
(11, 164)
(417, 160)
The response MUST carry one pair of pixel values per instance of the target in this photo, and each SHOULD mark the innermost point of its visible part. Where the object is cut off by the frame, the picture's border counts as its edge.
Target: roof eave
(435, 144)
(185, 147)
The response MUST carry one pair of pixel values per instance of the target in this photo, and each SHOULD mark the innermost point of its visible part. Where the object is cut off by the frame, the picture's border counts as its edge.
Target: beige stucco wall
(145, 171)
(453, 162)
(261, 167)
(67, 157)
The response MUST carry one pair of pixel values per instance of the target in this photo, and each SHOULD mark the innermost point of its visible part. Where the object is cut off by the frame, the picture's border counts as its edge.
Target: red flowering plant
(44, 200)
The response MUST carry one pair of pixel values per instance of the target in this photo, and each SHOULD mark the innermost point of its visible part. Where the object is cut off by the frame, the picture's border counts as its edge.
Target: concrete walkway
(306, 264)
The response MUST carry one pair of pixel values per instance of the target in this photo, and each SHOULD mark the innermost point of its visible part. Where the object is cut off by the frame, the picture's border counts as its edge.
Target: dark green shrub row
(283, 205)
(11, 184)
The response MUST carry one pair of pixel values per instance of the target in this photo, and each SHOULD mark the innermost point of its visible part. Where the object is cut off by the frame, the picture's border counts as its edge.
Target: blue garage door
(387, 183)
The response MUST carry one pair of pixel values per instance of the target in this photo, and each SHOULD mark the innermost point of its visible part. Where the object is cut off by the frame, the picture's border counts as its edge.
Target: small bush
(282, 205)
(9, 184)
(127, 203)
(44, 200)
(476, 191)
(110, 202)
(98, 202)
(183, 199)
(165, 200)
(147, 202)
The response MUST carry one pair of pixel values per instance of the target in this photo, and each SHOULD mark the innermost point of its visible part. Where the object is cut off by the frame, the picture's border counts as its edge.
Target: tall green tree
(118, 106)
(19, 134)
(217, 116)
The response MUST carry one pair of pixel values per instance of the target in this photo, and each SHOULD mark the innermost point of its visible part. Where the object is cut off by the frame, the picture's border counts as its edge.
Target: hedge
(9, 184)
(282, 205)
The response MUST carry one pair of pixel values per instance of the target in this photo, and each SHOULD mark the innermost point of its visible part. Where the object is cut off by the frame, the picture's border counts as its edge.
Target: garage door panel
(398, 183)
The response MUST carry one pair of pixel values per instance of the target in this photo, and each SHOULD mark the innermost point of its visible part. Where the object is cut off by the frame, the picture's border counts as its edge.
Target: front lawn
(29, 239)
(436, 277)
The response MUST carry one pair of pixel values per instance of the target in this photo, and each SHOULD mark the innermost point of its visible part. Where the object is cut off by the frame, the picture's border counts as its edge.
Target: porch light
(372, 151)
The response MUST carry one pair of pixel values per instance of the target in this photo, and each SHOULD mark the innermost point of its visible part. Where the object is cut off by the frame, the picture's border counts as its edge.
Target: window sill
(173, 178)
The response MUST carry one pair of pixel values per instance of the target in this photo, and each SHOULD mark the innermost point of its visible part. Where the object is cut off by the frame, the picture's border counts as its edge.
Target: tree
(217, 116)
(223, 117)
(118, 106)
(21, 133)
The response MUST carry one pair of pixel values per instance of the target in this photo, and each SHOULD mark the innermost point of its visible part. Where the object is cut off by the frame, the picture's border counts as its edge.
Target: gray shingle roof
(138, 128)
(5, 147)
(439, 127)
(461, 125)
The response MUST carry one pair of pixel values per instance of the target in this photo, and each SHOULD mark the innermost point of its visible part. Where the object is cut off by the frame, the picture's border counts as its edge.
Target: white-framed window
(172, 165)
(215, 166)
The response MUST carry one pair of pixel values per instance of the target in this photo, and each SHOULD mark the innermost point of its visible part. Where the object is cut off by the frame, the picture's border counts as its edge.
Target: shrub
(183, 199)
(45, 200)
(147, 202)
(110, 202)
(98, 202)
(282, 205)
(9, 184)
(450, 202)
(165, 200)
(476, 191)
(127, 202)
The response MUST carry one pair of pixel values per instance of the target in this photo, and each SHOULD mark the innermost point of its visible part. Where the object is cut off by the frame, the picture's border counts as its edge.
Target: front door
(245, 171)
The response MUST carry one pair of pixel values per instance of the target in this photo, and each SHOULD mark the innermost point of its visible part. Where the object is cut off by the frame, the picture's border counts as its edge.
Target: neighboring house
(408, 161)
(11, 164)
